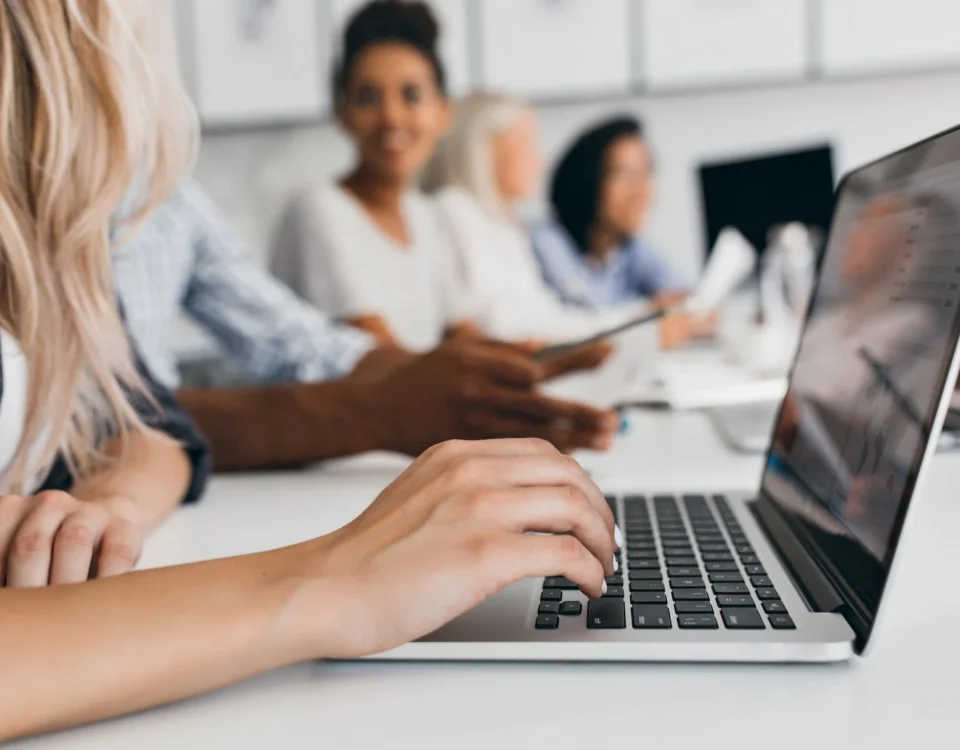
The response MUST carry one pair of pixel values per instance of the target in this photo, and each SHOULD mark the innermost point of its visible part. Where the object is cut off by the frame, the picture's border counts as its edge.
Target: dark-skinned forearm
(289, 425)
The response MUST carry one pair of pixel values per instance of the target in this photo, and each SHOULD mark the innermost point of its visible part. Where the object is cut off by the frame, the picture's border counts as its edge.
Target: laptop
(758, 193)
(746, 427)
(795, 571)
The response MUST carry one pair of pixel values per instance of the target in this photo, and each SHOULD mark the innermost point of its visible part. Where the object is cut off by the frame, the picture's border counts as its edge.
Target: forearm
(291, 425)
(151, 472)
(75, 654)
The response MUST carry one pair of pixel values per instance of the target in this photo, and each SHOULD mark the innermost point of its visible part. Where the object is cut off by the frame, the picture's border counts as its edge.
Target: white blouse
(332, 253)
(13, 403)
(509, 297)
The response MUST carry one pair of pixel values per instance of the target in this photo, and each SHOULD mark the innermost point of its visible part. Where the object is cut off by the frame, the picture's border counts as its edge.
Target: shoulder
(551, 240)
(456, 200)
(322, 198)
(320, 212)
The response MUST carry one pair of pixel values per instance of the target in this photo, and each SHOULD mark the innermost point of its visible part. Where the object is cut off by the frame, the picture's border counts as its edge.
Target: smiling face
(393, 110)
(626, 186)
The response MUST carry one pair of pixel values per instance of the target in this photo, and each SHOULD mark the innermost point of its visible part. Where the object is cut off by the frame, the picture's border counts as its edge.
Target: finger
(74, 543)
(434, 461)
(12, 508)
(540, 556)
(536, 405)
(587, 357)
(28, 564)
(565, 438)
(560, 510)
(120, 548)
(478, 473)
(502, 364)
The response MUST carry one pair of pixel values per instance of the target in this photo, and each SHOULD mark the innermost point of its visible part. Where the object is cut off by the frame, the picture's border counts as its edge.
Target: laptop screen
(757, 194)
(872, 366)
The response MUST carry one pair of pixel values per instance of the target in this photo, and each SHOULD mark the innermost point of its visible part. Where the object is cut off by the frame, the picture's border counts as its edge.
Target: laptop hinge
(815, 585)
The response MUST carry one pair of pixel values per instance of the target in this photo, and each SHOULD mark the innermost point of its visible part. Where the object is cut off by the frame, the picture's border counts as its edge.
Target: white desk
(901, 694)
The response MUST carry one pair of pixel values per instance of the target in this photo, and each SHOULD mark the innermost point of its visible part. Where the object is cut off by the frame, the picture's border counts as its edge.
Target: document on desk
(640, 375)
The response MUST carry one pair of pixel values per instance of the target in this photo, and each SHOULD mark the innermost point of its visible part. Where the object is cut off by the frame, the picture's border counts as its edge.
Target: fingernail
(616, 565)
(603, 587)
(618, 537)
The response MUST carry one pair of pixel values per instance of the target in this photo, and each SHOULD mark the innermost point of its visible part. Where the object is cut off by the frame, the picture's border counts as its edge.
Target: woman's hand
(454, 529)
(53, 538)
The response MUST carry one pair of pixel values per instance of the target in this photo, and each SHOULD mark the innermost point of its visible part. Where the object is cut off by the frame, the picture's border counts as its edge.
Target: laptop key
(644, 565)
(730, 588)
(726, 578)
(646, 586)
(614, 592)
(698, 622)
(571, 608)
(774, 607)
(767, 593)
(693, 608)
(782, 622)
(549, 608)
(551, 595)
(761, 581)
(679, 562)
(710, 539)
(642, 554)
(691, 595)
(734, 600)
(716, 556)
(686, 583)
(606, 614)
(648, 597)
(750, 560)
(558, 582)
(547, 622)
(683, 572)
(755, 570)
(651, 616)
(616, 580)
(640, 545)
(645, 575)
(744, 549)
(714, 548)
(742, 619)
(722, 567)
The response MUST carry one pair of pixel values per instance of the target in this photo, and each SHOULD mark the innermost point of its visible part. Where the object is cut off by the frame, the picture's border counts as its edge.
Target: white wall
(251, 174)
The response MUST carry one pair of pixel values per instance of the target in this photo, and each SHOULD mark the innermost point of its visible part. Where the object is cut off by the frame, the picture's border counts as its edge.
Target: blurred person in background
(314, 389)
(489, 162)
(85, 111)
(368, 249)
(592, 252)
(600, 192)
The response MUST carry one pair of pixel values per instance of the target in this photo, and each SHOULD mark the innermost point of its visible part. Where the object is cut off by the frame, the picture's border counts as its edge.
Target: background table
(904, 694)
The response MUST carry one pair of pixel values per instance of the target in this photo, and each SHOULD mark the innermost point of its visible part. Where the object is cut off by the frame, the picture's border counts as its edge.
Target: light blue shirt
(186, 258)
(631, 272)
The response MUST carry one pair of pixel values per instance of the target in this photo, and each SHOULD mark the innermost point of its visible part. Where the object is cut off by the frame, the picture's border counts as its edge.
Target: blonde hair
(464, 158)
(90, 108)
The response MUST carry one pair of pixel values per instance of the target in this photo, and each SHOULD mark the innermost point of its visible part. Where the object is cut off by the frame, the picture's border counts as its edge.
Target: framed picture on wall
(255, 62)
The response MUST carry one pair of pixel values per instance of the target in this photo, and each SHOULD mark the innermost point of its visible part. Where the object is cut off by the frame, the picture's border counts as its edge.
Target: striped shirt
(187, 258)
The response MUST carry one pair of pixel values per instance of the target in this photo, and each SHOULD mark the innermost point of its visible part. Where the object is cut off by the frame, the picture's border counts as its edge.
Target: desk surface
(905, 691)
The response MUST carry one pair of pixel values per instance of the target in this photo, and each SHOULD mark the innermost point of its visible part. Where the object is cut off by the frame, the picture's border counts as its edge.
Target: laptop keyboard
(696, 574)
